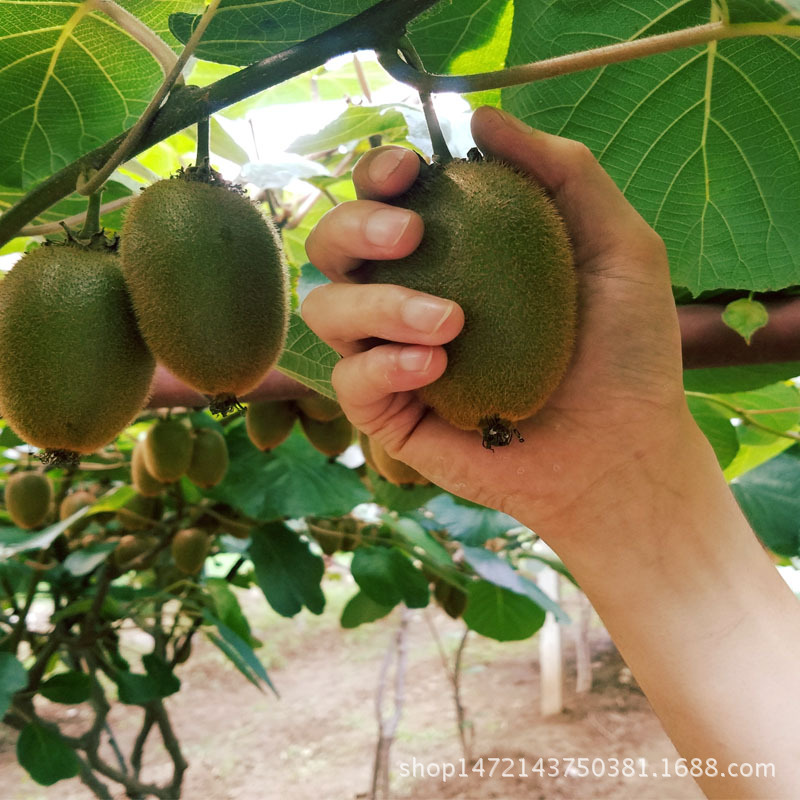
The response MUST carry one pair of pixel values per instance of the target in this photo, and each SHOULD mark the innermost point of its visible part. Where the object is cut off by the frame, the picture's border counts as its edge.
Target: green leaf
(161, 674)
(738, 379)
(469, 523)
(287, 571)
(135, 689)
(498, 571)
(242, 33)
(682, 133)
(354, 124)
(69, 687)
(228, 609)
(769, 496)
(85, 560)
(387, 576)
(156, 15)
(500, 613)
(8, 438)
(293, 480)
(307, 359)
(745, 316)
(12, 678)
(362, 608)
(70, 78)
(781, 401)
(400, 498)
(239, 652)
(716, 425)
(44, 753)
(422, 541)
(754, 451)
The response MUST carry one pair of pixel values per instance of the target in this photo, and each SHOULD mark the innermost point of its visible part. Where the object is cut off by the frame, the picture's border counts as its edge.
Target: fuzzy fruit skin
(331, 438)
(209, 458)
(74, 369)
(209, 284)
(28, 497)
(495, 244)
(168, 450)
(74, 502)
(128, 553)
(144, 483)
(189, 549)
(317, 406)
(269, 422)
(392, 470)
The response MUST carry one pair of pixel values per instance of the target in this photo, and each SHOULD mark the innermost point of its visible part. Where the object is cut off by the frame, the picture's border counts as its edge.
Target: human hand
(621, 405)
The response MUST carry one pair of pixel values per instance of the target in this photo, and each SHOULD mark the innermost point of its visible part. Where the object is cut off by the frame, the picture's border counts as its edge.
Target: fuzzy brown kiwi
(209, 282)
(317, 406)
(28, 496)
(189, 549)
(144, 483)
(209, 461)
(133, 552)
(331, 438)
(269, 422)
(495, 244)
(74, 369)
(74, 502)
(394, 471)
(168, 450)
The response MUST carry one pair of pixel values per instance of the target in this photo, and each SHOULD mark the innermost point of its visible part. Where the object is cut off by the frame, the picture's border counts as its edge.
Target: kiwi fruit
(209, 282)
(317, 406)
(139, 513)
(269, 422)
(133, 552)
(144, 483)
(394, 471)
(28, 498)
(74, 502)
(74, 370)
(331, 438)
(168, 450)
(189, 549)
(209, 461)
(495, 244)
(451, 598)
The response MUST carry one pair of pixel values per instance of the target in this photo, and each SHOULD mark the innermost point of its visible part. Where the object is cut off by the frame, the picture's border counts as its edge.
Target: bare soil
(317, 741)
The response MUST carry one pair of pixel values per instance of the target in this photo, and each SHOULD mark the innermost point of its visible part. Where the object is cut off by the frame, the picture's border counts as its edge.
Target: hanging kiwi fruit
(209, 461)
(208, 280)
(269, 422)
(28, 497)
(331, 438)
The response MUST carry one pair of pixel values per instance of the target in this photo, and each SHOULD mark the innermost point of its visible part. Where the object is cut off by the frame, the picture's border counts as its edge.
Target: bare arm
(613, 473)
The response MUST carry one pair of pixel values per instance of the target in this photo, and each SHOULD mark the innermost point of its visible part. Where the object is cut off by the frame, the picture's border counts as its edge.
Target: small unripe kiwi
(189, 549)
(495, 244)
(132, 552)
(451, 598)
(209, 283)
(269, 422)
(394, 471)
(331, 438)
(74, 370)
(209, 458)
(317, 406)
(74, 502)
(144, 483)
(168, 450)
(28, 498)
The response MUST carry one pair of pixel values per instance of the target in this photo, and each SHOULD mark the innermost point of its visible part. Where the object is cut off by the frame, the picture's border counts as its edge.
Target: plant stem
(203, 141)
(91, 224)
(745, 415)
(577, 62)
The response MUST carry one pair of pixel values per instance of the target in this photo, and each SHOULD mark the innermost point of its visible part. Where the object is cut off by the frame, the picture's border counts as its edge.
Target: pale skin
(613, 474)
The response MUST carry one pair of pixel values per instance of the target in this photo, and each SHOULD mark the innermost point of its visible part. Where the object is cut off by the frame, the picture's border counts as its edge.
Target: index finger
(385, 172)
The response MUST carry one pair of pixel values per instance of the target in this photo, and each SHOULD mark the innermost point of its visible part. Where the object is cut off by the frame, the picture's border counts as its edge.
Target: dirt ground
(317, 741)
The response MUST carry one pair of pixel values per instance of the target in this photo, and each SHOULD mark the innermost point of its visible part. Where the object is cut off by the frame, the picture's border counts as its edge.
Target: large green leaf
(387, 576)
(156, 15)
(715, 422)
(307, 359)
(467, 522)
(738, 379)
(70, 78)
(45, 754)
(362, 608)
(244, 32)
(288, 572)
(67, 687)
(683, 133)
(12, 678)
(293, 480)
(769, 496)
(500, 613)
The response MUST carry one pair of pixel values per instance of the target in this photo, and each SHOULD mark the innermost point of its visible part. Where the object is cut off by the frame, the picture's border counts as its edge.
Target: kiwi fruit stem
(203, 136)
(91, 225)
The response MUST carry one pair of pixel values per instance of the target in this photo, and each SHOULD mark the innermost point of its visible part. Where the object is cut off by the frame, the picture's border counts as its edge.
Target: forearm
(698, 611)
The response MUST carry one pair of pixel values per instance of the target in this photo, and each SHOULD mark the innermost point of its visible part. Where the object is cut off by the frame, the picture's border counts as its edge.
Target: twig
(75, 219)
(744, 415)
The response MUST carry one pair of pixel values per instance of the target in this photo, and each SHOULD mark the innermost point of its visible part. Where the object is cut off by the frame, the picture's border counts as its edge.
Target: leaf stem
(746, 415)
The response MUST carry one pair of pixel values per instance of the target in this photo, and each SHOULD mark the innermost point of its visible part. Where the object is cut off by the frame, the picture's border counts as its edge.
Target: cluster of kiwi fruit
(198, 283)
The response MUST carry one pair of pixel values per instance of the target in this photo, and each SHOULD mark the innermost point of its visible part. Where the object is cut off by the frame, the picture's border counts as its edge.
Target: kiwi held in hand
(74, 370)
(209, 284)
(495, 244)
(269, 422)
(331, 438)
(209, 458)
(168, 450)
(28, 497)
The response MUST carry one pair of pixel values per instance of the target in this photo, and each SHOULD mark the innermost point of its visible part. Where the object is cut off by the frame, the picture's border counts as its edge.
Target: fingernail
(415, 359)
(425, 314)
(385, 226)
(384, 164)
(510, 121)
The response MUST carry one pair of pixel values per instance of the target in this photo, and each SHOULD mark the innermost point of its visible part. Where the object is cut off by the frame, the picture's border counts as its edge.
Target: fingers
(348, 316)
(385, 172)
(600, 220)
(358, 230)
